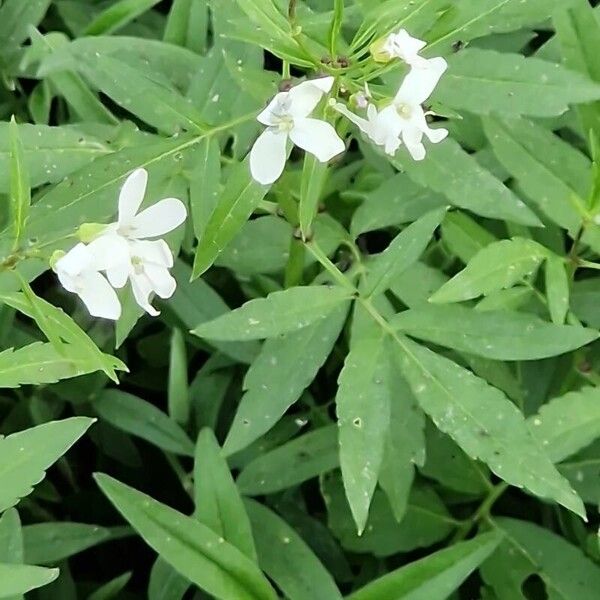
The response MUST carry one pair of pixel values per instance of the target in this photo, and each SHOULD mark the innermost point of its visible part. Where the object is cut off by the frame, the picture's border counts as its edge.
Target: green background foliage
(377, 379)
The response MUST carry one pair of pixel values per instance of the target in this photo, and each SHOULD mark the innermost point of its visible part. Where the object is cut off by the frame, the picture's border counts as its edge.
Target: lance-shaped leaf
(16, 18)
(363, 411)
(483, 422)
(279, 313)
(142, 419)
(568, 424)
(434, 577)
(20, 191)
(498, 266)
(190, 547)
(117, 15)
(238, 201)
(557, 289)
(284, 368)
(557, 192)
(25, 456)
(404, 250)
(19, 579)
(218, 502)
(450, 171)
(499, 335)
(279, 546)
(484, 82)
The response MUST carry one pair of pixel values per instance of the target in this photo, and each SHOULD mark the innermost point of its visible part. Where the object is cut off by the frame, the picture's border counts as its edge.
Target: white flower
(402, 45)
(145, 263)
(286, 117)
(404, 119)
(79, 272)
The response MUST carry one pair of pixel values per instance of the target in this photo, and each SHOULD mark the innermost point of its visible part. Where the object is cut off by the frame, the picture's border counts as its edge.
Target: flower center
(404, 110)
(138, 265)
(285, 123)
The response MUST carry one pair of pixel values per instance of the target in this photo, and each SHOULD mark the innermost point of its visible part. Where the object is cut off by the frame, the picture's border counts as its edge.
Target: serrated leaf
(568, 424)
(279, 313)
(496, 267)
(279, 546)
(19, 579)
(450, 171)
(217, 499)
(142, 419)
(483, 422)
(190, 547)
(557, 192)
(434, 577)
(499, 335)
(485, 81)
(238, 201)
(25, 456)
(292, 463)
(284, 368)
(404, 250)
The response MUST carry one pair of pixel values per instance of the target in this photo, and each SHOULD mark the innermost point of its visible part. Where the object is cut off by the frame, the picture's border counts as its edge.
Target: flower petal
(108, 251)
(142, 288)
(306, 95)
(156, 252)
(158, 219)
(131, 196)
(404, 46)
(99, 297)
(362, 124)
(75, 261)
(420, 82)
(317, 137)
(268, 156)
(280, 103)
(413, 139)
(163, 283)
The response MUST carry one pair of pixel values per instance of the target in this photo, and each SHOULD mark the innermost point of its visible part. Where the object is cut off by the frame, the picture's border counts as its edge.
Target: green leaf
(450, 171)
(25, 456)
(279, 313)
(472, 19)
(279, 546)
(484, 82)
(314, 174)
(205, 184)
(557, 192)
(11, 537)
(112, 588)
(426, 521)
(568, 424)
(557, 289)
(218, 502)
(292, 463)
(177, 387)
(528, 550)
(16, 17)
(483, 422)
(238, 201)
(284, 368)
(577, 31)
(187, 24)
(57, 324)
(499, 335)
(41, 363)
(363, 412)
(166, 583)
(434, 577)
(191, 548)
(142, 419)
(48, 542)
(117, 15)
(498, 266)
(18, 579)
(404, 250)
(20, 190)
(397, 200)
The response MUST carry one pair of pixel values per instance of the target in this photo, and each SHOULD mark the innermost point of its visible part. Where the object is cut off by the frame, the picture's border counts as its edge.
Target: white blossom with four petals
(123, 252)
(287, 117)
(405, 47)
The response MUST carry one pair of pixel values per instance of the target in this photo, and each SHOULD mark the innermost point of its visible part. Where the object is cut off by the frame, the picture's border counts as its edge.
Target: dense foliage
(376, 378)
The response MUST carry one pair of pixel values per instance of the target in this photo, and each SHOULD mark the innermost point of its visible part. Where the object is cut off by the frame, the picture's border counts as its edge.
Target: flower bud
(88, 232)
(379, 51)
(56, 256)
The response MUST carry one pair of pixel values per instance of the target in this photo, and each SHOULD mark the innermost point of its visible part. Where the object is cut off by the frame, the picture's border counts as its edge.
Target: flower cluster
(401, 121)
(122, 252)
